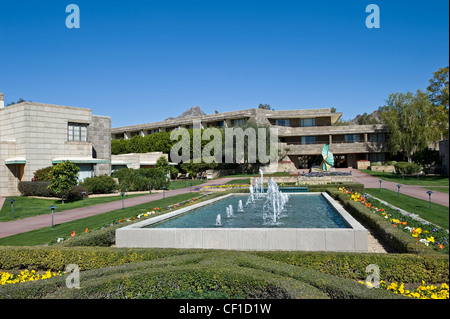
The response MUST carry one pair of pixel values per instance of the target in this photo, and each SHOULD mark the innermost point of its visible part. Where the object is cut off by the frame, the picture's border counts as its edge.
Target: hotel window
(77, 132)
(239, 122)
(286, 122)
(377, 137)
(308, 140)
(352, 138)
(308, 122)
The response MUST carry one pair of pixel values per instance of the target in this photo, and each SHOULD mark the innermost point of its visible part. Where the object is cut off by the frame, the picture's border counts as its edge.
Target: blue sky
(143, 61)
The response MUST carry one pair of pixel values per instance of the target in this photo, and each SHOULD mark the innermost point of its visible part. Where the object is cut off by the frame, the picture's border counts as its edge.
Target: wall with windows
(37, 134)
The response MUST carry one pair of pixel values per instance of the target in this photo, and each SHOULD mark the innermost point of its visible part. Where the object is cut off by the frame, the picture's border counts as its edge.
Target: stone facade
(302, 132)
(35, 135)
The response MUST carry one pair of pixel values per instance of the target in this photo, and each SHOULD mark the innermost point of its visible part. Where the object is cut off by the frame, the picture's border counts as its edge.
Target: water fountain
(256, 189)
(218, 220)
(251, 196)
(275, 202)
(262, 181)
(229, 211)
(240, 206)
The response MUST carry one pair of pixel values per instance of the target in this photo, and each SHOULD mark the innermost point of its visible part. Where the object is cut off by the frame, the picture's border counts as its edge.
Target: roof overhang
(15, 160)
(81, 160)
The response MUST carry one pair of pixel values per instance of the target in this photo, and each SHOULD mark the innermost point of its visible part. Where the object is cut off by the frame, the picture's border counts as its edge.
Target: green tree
(63, 177)
(407, 118)
(438, 92)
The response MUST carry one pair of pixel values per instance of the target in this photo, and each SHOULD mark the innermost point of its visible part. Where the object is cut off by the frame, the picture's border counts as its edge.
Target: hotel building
(37, 135)
(302, 133)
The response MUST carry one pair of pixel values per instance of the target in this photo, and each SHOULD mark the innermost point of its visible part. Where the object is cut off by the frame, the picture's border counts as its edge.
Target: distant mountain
(192, 112)
(372, 118)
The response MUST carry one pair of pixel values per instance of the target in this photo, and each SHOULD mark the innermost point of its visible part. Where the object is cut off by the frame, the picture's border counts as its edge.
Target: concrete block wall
(99, 133)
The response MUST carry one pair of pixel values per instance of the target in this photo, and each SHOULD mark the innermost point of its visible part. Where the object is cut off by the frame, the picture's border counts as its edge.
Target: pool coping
(290, 239)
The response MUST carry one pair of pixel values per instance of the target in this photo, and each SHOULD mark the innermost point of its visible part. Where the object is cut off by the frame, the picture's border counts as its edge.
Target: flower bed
(424, 291)
(7, 278)
(425, 233)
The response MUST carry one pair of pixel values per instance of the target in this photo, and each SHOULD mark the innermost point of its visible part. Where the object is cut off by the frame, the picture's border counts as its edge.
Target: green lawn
(426, 180)
(186, 183)
(437, 189)
(46, 235)
(239, 181)
(438, 214)
(28, 207)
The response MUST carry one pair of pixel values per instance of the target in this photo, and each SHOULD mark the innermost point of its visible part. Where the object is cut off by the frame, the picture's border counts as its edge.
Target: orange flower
(72, 233)
(441, 246)
(86, 230)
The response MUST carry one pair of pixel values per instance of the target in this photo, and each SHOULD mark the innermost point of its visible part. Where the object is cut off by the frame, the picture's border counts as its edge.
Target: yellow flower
(431, 238)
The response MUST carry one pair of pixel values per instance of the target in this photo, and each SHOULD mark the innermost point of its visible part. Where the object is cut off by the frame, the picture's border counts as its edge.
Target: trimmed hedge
(393, 267)
(41, 189)
(102, 184)
(401, 241)
(36, 189)
(233, 274)
(407, 168)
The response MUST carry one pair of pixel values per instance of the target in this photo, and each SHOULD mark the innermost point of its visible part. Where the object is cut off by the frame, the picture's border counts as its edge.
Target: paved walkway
(417, 191)
(31, 223)
(36, 222)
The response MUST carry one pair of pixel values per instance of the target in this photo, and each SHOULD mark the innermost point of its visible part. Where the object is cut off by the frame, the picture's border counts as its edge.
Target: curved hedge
(230, 274)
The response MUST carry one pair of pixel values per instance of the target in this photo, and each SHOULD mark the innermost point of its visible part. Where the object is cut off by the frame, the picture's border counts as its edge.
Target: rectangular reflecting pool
(308, 222)
(301, 211)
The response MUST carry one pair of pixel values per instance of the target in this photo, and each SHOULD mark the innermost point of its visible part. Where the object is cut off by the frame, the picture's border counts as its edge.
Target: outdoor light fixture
(398, 191)
(190, 190)
(84, 193)
(380, 180)
(164, 191)
(12, 206)
(123, 205)
(150, 187)
(126, 190)
(429, 199)
(53, 207)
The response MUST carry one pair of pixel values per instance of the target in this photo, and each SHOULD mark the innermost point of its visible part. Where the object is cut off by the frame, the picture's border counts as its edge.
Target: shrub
(407, 168)
(138, 179)
(36, 189)
(102, 184)
(42, 174)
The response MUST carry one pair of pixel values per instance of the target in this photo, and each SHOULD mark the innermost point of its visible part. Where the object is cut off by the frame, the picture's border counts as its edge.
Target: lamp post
(380, 180)
(53, 207)
(417, 179)
(150, 187)
(12, 206)
(164, 191)
(126, 190)
(190, 190)
(84, 194)
(398, 191)
(123, 205)
(429, 199)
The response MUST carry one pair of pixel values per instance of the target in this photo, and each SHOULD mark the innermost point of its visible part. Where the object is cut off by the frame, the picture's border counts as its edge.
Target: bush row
(407, 168)
(393, 267)
(42, 189)
(399, 240)
(139, 179)
(229, 274)
(406, 268)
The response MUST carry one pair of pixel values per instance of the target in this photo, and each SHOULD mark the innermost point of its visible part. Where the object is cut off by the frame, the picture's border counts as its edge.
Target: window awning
(15, 160)
(154, 163)
(81, 160)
